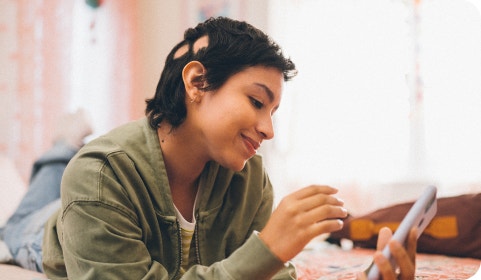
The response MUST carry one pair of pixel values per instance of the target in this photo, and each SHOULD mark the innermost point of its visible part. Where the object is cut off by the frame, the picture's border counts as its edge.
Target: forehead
(263, 79)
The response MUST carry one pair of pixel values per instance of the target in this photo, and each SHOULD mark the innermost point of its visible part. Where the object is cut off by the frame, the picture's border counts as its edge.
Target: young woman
(182, 193)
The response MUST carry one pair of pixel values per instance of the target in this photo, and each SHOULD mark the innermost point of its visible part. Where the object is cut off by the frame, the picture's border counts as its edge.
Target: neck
(182, 156)
(184, 162)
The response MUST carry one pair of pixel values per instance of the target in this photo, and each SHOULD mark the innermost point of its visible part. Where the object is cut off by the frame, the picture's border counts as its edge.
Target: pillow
(454, 231)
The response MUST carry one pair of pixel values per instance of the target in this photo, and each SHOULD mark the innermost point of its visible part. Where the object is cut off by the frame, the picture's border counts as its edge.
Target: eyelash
(256, 103)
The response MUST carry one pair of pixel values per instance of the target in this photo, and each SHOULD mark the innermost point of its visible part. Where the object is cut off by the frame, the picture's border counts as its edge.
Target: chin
(235, 166)
(238, 167)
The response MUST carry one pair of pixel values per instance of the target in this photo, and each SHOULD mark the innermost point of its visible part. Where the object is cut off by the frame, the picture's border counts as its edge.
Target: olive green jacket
(118, 221)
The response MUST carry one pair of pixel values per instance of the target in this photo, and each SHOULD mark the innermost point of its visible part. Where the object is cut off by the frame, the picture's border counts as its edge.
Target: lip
(251, 144)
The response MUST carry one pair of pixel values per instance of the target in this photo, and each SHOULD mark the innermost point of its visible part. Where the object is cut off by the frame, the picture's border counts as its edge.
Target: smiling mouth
(251, 144)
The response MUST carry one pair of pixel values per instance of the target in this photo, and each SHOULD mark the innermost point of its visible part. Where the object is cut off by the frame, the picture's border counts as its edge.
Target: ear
(192, 75)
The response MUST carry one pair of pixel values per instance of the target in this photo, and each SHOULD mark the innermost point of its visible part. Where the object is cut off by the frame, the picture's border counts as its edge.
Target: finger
(384, 266)
(319, 200)
(412, 245)
(402, 259)
(384, 236)
(326, 226)
(325, 212)
(312, 190)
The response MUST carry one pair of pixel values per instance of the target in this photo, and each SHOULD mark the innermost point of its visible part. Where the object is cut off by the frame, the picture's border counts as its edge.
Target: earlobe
(193, 77)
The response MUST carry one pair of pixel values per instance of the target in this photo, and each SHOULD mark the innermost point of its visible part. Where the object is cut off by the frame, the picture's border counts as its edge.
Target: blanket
(326, 261)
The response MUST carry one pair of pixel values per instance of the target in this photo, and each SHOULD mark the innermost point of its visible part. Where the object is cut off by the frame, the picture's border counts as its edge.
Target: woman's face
(236, 118)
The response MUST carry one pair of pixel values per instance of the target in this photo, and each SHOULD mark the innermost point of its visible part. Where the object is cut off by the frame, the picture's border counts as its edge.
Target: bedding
(13, 272)
(325, 261)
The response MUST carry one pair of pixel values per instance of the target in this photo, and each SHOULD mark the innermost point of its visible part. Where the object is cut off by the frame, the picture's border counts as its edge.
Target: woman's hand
(300, 217)
(405, 258)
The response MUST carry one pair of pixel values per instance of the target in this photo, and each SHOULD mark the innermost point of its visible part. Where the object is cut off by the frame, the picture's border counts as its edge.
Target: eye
(256, 103)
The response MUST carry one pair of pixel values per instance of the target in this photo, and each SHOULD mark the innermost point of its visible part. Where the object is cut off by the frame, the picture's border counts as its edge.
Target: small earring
(192, 100)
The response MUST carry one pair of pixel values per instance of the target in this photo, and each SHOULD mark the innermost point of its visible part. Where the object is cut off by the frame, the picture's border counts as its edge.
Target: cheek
(224, 113)
(222, 127)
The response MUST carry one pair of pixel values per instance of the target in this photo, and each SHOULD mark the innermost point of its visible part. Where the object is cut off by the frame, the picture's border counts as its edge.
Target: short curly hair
(232, 47)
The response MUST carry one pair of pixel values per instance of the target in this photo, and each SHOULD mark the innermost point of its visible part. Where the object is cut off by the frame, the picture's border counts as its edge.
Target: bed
(13, 272)
(324, 261)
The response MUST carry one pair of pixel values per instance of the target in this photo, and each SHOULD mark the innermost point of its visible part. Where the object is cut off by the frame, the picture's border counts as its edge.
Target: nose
(266, 128)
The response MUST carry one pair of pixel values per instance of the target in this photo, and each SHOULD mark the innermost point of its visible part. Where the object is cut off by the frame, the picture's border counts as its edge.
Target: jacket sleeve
(246, 263)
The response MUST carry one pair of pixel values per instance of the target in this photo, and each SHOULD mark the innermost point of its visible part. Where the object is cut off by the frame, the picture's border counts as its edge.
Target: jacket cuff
(253, 260)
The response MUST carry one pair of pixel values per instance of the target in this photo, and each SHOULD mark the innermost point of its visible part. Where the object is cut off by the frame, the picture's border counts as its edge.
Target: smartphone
(420, 215)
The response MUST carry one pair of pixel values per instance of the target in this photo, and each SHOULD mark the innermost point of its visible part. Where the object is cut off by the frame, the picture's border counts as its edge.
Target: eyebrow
(269, 92)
